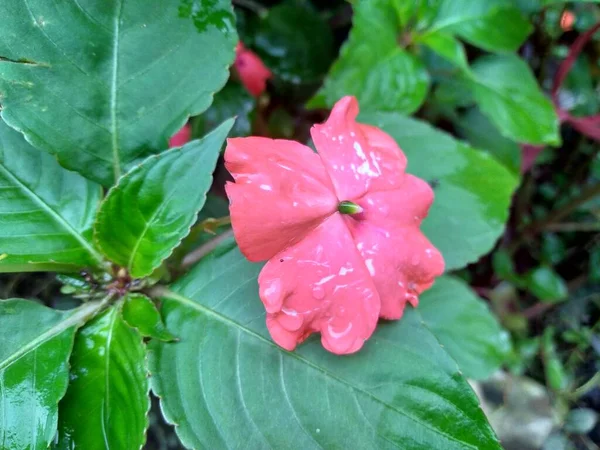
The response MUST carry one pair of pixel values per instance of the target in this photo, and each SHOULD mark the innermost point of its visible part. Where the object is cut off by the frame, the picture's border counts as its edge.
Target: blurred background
(542, 279)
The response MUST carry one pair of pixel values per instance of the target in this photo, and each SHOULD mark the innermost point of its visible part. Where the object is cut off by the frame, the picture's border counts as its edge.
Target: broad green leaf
(508, 94)
(101, 84)
(233, 100)
(472, 190)
(578, 92)
(480, 132)
(139, 312)
(446, 46)
(34, 370)
(107, 401)
(462, 322)
(146, 215)
(227, 385)
(494, 25)
(294, 42)
(373, 67)
(546, 284)
(46, 212)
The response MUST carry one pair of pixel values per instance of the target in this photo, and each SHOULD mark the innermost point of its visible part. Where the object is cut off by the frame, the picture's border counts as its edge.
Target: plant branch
(586, 387)
(574, 226)
(587, 194)
(196, 255)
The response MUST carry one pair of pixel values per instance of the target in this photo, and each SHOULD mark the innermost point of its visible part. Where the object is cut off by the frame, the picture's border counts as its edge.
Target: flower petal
(401, 260)
(181, 137)
(252, 71)
(320, 285)
(358, 157)
(408, 205)
(281, 193)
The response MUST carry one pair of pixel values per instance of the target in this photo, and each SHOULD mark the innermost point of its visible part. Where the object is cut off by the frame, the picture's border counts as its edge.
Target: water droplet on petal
(272, 295)
(290, 319)
(384, 210)
(318, 293)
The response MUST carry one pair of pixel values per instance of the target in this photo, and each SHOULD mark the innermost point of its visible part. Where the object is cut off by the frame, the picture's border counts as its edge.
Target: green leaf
(46, 212)
(546, 285)
(34, 370)
(107, 401)
(294, 42)
(233, 100)
(492, 25)
(508, 94)
(94, 85)
(480, 132)
(139, 312)
(373, 67)
(472, 191)
(229, 386)
(446, 46)
(146, 215)
(462, 322)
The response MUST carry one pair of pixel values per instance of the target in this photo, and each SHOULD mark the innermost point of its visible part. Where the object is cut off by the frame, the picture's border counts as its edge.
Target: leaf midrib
(72, 320)
(114, 93)
(201, 308)
(52, 213)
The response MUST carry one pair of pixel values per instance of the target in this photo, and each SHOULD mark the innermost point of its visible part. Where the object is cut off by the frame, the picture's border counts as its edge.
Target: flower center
(348, 207)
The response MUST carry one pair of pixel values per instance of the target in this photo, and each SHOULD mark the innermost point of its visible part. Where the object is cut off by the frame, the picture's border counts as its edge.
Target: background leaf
(232, 387)
(462, 322)
(139, 312)
(153, 207)
(232, 100)
(472, 190)
(492, 25)
(480, 132)
(545, 284)
(294, 42)
(373, 67)
(46, 212)
(95, 86)
(508, 94)
(107, 401)
(34, 370)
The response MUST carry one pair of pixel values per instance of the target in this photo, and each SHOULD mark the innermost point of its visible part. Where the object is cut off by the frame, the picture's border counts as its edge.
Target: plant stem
(193, 257)
(586, 387)
(574, 226)
(554, 216)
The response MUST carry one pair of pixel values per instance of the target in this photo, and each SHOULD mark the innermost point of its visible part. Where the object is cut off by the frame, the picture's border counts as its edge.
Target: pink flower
(253, 73)
(181, 137)
(334, 268)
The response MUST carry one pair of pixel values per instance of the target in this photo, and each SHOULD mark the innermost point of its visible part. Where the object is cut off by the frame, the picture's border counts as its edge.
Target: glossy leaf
(493, 25)
(546, 284)
(34, 370)
(446, 46)
(107, 401)
(233, 100)
(154, 205)
(508, 94)
(481, 133)
(46, 212)
(140, 313)
(462, 322)
(472, 191)
(93, 85)
(294, 42)
(227, 385)
(373, 67)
